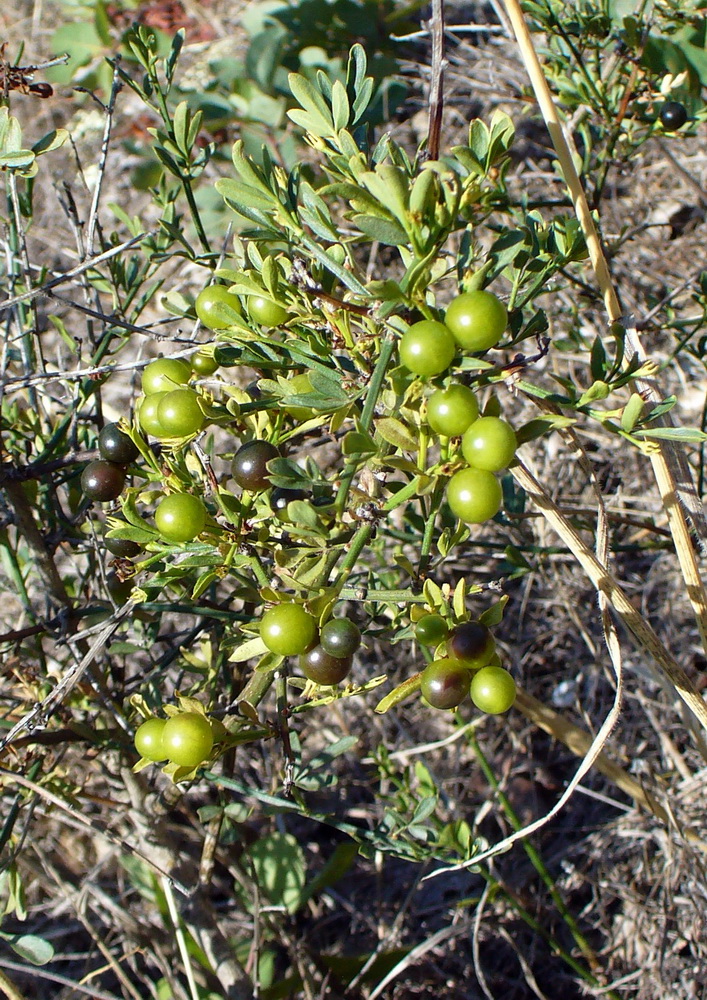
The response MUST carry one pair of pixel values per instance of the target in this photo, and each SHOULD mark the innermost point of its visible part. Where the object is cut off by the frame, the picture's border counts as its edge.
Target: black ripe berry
(673, 116)
(115, 446)
(102, 481)
(250, 465)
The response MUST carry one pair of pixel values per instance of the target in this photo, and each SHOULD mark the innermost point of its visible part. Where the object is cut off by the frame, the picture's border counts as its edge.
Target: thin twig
(21, 382)
(437, 81)
(93, 213)
(181, 940)
(43, 710)
(78, 817)
(53, 977)
(44, 563)
(74, 271)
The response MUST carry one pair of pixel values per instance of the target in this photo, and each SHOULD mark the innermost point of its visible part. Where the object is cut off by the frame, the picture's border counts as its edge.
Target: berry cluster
(325, 656)
(470, 666)
(104, 479)
(474, 321)
(185, 739)
(173, 408)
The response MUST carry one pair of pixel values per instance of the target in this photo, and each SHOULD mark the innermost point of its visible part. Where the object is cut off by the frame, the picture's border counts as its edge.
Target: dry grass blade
(658, 455)
(606, 584)
(422, 949)
(579, 741)
(43, 710)
(73, 272)
(9, 988)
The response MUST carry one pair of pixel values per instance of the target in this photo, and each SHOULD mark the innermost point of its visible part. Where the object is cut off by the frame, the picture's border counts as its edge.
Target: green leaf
(287, 473)
(20, 160)
(598, 365)
(247, 650)
(279, 869)
(425, 807)
(132, 534)
(309, 98)
(264, 54)
(355, 443)
(301, 512)
(332, 265)
(203, 583)
(180, 124)
(502, 135)
(170, 62)
(691, 434)
(309, 776)
(133, 515)
(398, 694)
(30, 947)
(358, 84)
(395, 432)
(310, 123)
(59, 325)
(52, 140)
(335, 867)
(507, 247)
(238, 195)
(339, 106)
(385, 231)
(459, 600)
(494, 615)
(479, 138)
(535, 428)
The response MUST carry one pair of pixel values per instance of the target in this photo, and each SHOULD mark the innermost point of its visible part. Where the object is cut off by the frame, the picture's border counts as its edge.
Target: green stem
(429, 529)
(196, 217)
(536, 926)
(258, 570)
(408, 492)
(358, 544)
(381, 596)
(374, 388)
